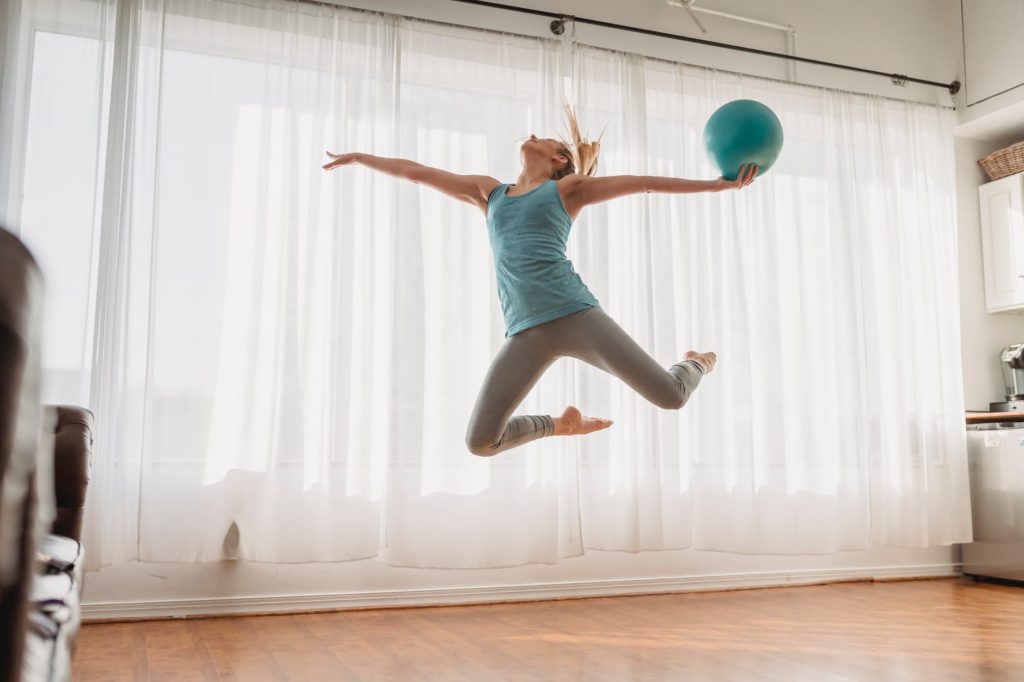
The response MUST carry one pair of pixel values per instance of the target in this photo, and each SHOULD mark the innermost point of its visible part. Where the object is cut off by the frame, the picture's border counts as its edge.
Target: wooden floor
(917, 630)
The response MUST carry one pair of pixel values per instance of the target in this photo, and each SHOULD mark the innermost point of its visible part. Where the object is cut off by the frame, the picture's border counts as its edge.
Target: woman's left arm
(583, 190)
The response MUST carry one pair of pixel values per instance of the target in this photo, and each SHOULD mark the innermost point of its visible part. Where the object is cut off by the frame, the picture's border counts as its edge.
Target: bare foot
(705, 360)
(573, 423)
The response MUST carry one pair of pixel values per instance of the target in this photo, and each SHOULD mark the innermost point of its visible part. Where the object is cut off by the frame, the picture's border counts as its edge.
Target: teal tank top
(528, 234)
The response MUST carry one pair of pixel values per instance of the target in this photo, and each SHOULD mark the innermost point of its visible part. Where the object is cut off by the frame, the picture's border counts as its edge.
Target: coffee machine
(1012, 362)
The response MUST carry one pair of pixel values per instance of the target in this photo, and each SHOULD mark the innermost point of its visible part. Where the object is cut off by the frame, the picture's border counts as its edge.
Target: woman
(549, 312)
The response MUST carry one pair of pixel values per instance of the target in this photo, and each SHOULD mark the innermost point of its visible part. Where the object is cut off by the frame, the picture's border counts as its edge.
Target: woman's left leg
(519, 364)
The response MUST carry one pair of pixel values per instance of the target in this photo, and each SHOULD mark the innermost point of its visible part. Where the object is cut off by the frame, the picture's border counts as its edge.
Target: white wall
(911, 36)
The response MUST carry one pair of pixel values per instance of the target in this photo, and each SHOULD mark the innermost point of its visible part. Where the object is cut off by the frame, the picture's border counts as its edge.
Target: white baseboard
(140, 610)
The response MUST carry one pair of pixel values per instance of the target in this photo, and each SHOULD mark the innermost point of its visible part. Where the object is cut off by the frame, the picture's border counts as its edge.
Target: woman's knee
(674, 401)
(480, 445)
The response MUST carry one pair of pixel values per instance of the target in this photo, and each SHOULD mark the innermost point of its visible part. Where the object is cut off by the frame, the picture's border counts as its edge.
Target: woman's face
(542, 149)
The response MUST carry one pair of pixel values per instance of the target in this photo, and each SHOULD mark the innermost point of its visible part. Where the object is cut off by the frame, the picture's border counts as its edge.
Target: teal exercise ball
(740, 132)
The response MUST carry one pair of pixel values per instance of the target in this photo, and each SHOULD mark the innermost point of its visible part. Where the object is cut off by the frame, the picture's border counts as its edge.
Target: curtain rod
(559, 20)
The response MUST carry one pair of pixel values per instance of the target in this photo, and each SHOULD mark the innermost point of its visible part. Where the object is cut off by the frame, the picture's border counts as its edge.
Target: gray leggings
(590, 335)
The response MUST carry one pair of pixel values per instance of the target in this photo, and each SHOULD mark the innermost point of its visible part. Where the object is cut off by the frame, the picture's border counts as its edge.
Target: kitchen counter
(994, 417)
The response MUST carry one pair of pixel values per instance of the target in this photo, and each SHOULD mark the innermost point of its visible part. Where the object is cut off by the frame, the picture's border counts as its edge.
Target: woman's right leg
(513, 372)
(594, 337)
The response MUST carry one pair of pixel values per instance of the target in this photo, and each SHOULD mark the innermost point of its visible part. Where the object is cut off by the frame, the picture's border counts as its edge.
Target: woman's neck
(531, 178)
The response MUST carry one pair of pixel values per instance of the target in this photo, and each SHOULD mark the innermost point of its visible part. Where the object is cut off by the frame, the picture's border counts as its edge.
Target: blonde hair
(581, 152)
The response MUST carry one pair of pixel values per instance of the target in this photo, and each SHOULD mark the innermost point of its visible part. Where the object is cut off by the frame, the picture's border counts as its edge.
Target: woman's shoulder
(570, 182)
(489, 186)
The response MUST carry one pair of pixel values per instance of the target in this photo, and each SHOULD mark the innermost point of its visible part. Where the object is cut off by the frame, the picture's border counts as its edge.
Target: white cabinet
(1002, 242)
(993, 36)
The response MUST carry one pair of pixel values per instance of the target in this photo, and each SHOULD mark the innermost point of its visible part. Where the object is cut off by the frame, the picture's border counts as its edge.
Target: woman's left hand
(341, 160)
(747, 174)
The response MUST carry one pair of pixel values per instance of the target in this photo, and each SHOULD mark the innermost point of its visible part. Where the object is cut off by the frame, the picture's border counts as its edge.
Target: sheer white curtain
(834, 418)
(282, 361)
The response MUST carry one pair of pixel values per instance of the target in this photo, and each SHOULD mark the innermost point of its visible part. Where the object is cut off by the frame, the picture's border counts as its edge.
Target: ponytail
(581, 152)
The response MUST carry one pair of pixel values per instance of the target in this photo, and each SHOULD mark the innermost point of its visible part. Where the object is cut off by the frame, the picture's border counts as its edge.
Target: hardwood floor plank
(927, 630)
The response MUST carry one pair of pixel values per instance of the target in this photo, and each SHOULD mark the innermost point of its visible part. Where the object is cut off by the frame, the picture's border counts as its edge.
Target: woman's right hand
(748, 172)
(341, 160)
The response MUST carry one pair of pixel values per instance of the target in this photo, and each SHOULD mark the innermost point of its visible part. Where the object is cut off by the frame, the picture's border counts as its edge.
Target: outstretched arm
(472, 189)
(582, 190)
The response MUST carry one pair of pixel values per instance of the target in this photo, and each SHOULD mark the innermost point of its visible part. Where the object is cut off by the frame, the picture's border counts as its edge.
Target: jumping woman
(549, 312)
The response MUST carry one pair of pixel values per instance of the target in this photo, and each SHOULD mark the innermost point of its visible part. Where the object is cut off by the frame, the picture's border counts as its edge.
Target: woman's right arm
(472, 189)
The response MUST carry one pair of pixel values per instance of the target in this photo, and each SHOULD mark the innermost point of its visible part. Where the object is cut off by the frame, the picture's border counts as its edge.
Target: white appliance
(996, 458)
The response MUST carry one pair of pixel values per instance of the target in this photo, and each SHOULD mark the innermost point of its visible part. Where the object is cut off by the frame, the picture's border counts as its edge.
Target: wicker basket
(1003, 162)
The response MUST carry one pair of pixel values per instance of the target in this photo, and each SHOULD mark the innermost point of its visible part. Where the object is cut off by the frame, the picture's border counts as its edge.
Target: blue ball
(743, 131)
